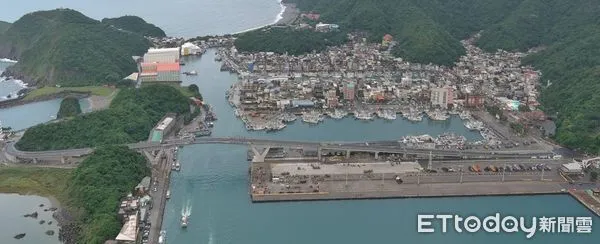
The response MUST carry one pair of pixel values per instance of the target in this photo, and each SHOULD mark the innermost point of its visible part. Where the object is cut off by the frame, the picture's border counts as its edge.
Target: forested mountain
(136, 25)
(65, 47)
(430, 30)
(4, 26)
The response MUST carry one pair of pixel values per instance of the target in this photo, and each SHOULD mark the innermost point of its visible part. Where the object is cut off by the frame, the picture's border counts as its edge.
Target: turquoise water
(12, 209)
(214, 182)
(186, 18)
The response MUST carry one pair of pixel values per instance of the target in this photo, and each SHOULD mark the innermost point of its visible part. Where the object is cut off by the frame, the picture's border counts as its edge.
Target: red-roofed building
(387, 39)
(160, 66)
(311, 16)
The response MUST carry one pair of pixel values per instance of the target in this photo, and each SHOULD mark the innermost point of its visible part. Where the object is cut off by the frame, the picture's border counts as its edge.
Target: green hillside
(130, 117)
(4, 26)
(69, 107)
(136, 25)
(65, 47)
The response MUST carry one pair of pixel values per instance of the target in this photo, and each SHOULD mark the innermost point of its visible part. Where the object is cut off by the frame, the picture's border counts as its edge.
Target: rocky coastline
(21, 101)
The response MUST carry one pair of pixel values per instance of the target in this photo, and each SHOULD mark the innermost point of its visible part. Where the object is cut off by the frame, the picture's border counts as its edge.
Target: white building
(162, 55)
(571, 168)
(442, 97)
(189, 48)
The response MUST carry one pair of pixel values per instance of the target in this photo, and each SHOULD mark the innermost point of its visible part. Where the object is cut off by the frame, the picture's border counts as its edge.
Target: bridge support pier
(319, 153)
(35, 161)
(347, 154)
(376, 155)
(258, 156)
(63, 160)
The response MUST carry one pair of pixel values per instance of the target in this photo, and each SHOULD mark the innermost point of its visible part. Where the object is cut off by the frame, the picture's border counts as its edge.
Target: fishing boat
(168, 194)
(193, 72)
(161, 238)
(184, 221)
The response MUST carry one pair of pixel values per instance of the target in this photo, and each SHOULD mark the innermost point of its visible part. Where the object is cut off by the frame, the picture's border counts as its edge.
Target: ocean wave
(277, 19)
(6, 60)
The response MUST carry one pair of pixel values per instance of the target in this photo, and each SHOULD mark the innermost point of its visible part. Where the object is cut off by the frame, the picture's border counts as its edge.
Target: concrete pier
(340, 191)
(586, 198)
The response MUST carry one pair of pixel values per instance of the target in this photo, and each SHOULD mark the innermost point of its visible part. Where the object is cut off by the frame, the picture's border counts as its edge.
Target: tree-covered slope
(284, 40)
(4, 26)
(65, 47)
(130, 117)
(427, 31)
(69, 107)
(136, 25)
(96, 187)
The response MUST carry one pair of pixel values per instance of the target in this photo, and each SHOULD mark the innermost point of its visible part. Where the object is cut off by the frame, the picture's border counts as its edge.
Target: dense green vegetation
(135, 24)
(38, 181)
(69, 107)
(130, 117)
(427, 31)
(570, 33)
(65, 47)
(4, 26)
(96, 187)
(286, 40)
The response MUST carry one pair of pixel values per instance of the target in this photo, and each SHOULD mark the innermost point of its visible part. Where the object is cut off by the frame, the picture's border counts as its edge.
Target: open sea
(214, 178)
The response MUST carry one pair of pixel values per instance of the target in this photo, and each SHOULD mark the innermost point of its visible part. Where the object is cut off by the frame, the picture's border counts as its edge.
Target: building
(326, 27)
(162, 55)
(349, 91)
(189, 48)
(571, 169)
(163, 128)
(311, 16)
(302, 103)
(474, 101)
(442, 97)
(144, 186)
(128, 233)
(332, 99)
(160, 66)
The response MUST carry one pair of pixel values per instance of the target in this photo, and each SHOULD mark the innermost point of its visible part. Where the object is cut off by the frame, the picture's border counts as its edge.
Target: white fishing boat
(168, 194)
(184, 221)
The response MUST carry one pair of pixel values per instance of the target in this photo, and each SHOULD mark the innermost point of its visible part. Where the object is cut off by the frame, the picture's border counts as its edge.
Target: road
(377, 146)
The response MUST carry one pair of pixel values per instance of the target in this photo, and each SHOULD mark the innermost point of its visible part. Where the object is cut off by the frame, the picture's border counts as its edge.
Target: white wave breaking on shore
(6, 60)
(277, 19)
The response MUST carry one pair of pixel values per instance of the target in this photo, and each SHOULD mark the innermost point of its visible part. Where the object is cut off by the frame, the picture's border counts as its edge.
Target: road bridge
(375, 147)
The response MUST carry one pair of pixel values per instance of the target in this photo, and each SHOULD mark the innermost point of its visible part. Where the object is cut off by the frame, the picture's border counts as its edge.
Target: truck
(475, 168)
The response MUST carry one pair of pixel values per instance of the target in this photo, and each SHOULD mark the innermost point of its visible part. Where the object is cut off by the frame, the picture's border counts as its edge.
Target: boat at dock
(162, 237)
(437, 115)
(386, 114)
(287, 117)
(218, 58)
(168, 194)
(363, 115)
(193, 72)
(311, 118)
(474, 125)
(338, 114)
(464, 115)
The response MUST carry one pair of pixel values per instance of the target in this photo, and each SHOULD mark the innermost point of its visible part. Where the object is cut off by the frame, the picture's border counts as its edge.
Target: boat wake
(187, 209)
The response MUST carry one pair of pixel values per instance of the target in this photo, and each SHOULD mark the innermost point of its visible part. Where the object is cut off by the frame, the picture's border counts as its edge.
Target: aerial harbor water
(214, 183)
(12, 209)
(193, 17)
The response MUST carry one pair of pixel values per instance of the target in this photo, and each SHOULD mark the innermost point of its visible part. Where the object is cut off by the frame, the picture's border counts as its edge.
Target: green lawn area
(185, 91)
(44, 91)
(35, 181)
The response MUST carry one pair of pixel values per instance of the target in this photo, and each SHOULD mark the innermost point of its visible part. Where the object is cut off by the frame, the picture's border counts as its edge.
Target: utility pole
(429, 164)
(503, 172)
(461, 174)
